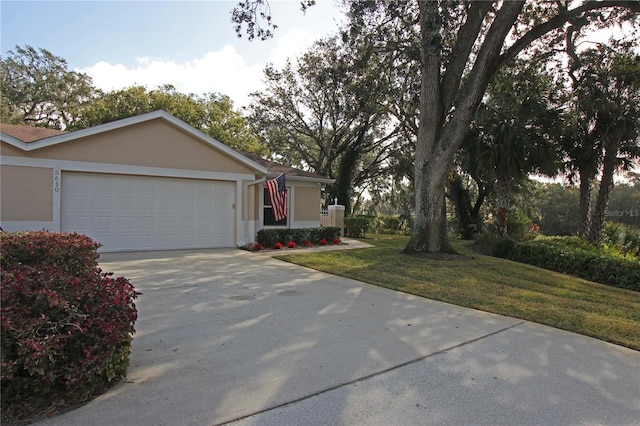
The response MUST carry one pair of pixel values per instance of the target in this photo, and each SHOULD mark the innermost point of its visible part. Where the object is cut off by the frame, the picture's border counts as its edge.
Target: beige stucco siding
(6, 149)
(26, 193)
(254, 203)
(307, 203)
(153, 143)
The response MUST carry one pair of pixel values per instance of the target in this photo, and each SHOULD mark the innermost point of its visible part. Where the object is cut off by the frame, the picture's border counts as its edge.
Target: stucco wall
(307, 203)
(26, 193)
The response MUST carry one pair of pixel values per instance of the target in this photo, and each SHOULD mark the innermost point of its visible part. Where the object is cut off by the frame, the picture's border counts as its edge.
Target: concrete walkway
(231, 336)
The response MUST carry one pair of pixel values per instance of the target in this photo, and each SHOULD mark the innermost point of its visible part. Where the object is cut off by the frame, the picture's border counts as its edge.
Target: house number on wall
(56, 180)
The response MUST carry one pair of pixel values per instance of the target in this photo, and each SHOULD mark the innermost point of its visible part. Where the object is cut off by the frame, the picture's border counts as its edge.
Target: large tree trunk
(430, 174)
(440, 137)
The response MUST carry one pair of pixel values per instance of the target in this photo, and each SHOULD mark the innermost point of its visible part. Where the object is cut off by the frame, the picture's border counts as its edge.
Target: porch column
(336, 217)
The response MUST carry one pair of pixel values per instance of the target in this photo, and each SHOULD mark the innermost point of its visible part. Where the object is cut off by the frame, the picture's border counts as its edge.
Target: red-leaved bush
(66, 326)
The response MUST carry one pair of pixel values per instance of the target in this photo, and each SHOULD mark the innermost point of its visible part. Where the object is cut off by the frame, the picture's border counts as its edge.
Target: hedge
(269, 237)
(575, 256)
(357, 226)
(66, 325)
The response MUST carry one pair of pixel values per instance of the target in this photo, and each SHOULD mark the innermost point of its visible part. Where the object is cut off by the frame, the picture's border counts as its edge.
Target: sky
(189, 44)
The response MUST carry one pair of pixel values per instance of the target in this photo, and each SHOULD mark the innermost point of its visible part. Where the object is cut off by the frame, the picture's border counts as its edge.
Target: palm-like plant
(604, 127)
(512, 134)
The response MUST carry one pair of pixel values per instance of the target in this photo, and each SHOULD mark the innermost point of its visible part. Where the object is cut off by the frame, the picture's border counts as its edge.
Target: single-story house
(149, 182)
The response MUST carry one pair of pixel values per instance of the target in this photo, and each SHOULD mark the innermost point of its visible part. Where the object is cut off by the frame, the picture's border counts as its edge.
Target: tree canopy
(461, 45)
(325, 113)
(39, 90)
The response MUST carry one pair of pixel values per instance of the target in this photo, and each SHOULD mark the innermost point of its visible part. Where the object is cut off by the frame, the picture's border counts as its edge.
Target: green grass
(492, 285)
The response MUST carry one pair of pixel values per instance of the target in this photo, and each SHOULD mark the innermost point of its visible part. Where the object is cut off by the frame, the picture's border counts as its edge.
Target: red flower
(307, 243)
(336, 241)
(291, 244)
(323, 242)
(278, 245)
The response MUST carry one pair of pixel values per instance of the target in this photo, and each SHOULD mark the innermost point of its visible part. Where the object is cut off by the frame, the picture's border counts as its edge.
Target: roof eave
(321, 180)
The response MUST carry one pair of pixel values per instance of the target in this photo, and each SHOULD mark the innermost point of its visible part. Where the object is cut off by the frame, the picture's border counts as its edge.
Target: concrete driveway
(231, 336)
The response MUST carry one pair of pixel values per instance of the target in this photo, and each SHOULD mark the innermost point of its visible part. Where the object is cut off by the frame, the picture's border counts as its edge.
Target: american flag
(277, 189)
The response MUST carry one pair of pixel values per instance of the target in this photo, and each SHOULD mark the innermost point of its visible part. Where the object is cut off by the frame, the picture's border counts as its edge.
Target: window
(268, 219)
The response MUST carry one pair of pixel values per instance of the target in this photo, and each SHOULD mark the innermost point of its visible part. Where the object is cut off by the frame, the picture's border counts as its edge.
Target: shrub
(268, 237)
(356, 226)
(625, 238)
(573, 255)
(66, 325)
(391, 224)
(504, 247)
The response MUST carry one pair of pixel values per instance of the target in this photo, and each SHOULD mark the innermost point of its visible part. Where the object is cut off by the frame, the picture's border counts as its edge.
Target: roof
(277, 168)
(28, 133)
(32, 138)
(40, 140)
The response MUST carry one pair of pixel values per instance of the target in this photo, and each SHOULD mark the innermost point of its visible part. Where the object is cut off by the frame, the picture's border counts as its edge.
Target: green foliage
(576, 256)
(66, 325)
(391, 224)
(558, 206)
(519, 225)
(269, 237)
(623, 238)
(38, 89)
(504, 247)
(324, 112)
(357, 226)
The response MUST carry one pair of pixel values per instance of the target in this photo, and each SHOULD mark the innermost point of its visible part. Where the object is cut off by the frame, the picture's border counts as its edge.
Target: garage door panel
(148, 213)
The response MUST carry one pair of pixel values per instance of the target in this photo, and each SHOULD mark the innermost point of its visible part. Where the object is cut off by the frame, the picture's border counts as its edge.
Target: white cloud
(224, 71)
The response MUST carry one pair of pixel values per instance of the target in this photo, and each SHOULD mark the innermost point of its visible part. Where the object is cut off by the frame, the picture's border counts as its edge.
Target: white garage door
(126, 212)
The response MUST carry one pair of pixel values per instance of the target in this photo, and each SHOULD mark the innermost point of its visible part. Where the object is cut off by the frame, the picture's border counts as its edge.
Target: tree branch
(461, 50)
(558, 21)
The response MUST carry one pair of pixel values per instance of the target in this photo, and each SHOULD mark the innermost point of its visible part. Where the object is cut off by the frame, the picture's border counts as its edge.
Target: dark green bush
(575, 256)
(268, 237)
(625, 238)
(66, 325)
(356, 226)
(504, 247)
(391, 224)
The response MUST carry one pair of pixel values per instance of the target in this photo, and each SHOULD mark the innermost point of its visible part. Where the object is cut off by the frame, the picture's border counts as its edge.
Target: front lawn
(490, 284)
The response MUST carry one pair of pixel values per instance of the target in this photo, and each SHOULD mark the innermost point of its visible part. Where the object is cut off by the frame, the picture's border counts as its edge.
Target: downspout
(245, 209)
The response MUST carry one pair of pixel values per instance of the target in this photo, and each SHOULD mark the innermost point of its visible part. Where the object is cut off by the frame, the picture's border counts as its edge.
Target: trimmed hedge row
(66, 325)
(575, 256)
(268, 237)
